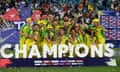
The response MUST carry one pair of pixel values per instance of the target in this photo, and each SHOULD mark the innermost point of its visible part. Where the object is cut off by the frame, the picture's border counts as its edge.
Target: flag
(105, 21)
(110, 22)
(118, 22)
(108, 12)
(118, 34)
(36, 15)
(118, 27)
(112, 34)
(25, 11)
(11, 15)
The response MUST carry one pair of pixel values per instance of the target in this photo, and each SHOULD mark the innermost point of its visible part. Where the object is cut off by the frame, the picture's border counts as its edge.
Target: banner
(12, 15)
(57, 62)
(22, 46)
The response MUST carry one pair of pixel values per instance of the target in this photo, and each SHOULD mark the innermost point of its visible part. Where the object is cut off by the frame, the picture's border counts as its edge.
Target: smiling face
(35, 27)
(77, 26)
(66, 18)
(29, 22)
(73, 32)
(96, 24)
(55, 22)
(62, 31)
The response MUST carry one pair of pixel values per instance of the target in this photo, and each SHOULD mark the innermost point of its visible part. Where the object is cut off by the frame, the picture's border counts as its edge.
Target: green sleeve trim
(23, 27)
(29, 32)
(102, 32)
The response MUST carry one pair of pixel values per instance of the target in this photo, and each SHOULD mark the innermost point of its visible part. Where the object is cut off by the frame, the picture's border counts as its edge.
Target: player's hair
(87, 31)
(35, 25)
(62, 28)
(73, 28)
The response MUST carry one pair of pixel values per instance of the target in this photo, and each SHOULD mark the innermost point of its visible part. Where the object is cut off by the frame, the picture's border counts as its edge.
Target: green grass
(64, 69)
(67, 69)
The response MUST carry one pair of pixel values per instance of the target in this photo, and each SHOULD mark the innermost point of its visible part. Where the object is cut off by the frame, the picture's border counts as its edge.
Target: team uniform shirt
(80, 38)
(86, 39)
(62, 39)
(55, 31)
(50, 36)
(31, 41)
(74, 41)
(24, 30)
(99, 33)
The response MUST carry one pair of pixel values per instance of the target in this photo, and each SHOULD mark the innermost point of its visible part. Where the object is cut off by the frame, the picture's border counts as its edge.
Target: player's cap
(28, 19)
(41, 22)
(95, 20)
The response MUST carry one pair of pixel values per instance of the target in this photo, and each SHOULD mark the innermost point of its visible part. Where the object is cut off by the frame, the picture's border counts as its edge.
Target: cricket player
(86, 38)
(74, 38)
(48, 36)
(62, 38)
(99, 32)
(33, 36)
(55, 29)
(80, 36)
(23, 33)
(92, 34)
